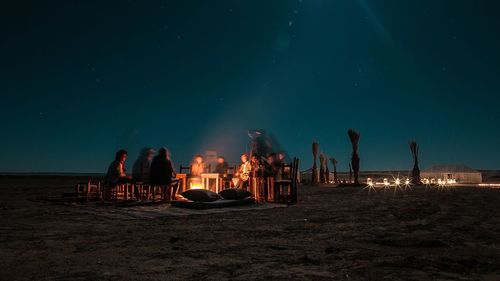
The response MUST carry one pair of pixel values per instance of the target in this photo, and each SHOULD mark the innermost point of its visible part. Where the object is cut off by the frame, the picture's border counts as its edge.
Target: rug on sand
(165, 210)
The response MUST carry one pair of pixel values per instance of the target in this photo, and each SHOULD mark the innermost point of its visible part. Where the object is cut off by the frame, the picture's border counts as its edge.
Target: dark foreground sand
(332, 234)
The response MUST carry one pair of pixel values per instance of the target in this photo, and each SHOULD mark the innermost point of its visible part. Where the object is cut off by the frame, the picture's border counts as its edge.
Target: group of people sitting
(271, 166)
(159, 171)
(154, 170)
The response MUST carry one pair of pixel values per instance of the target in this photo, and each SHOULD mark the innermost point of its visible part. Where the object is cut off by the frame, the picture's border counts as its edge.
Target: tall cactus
(334, 163)
(354, 137)
(350, 172)
(327, 171)
(314, 175)
(414, 153)
(322, 177)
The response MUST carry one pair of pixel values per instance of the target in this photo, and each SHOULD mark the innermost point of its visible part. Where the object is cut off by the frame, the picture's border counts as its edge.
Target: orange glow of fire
(196, 186)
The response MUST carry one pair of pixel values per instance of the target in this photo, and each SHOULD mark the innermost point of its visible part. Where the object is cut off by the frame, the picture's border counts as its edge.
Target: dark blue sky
(81, 79)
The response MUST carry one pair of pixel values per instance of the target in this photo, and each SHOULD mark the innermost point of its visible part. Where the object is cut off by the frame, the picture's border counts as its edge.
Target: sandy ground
(331, 234)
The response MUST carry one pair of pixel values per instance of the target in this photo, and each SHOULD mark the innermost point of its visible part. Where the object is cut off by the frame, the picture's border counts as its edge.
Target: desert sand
(331, 234)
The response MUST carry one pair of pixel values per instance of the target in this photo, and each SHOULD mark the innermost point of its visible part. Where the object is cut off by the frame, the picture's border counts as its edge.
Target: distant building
(461, 173)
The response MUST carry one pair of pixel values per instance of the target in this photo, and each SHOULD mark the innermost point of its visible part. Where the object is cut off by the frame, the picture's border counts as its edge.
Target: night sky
(82, 79)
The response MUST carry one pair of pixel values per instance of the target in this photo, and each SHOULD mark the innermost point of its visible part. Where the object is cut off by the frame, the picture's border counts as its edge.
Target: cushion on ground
(200, 195)
(234, 194)
(221, 203)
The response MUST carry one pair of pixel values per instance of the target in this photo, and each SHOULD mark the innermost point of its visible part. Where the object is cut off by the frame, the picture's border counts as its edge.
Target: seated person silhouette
(116, 171)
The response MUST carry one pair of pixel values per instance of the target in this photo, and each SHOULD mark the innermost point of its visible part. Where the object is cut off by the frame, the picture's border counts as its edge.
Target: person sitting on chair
(257, 167)
(243, 173)
(272, 168)
(142, 166)
(116, 170)
(284, 172)
(222, 166)
(162, 172)
(197, 166)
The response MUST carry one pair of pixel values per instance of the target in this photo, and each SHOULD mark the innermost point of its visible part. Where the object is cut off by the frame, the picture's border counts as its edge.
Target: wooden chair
(269, 189)
(87, 192)
(227, 182)
(182, 182)
(187, 168)
(109, 191)
(142, 190)
(285, 190)
(257, 187)
(187, 173)
(164, 193)
(123, 191)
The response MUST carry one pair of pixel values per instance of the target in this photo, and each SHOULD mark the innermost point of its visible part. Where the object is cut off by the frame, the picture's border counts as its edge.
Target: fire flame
(196, 186)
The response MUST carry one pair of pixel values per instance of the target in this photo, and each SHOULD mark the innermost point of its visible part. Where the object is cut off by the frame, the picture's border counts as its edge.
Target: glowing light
(451, 181)
(397, 182)
(441, 183)
(370, 185)
(397, 185)
(386, 183)
(196, 186)
(407, 183)
(492, 185)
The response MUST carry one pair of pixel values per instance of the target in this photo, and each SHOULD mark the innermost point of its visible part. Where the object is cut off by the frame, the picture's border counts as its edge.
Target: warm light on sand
(492, 185)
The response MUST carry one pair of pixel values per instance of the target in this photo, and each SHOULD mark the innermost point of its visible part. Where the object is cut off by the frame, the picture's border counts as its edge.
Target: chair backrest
(295, 170)
(287, 169)
(184, 168)
(294, 177)
(231, 170)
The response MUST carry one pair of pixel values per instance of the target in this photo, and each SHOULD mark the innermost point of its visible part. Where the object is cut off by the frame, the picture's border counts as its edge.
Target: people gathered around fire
(159, 171)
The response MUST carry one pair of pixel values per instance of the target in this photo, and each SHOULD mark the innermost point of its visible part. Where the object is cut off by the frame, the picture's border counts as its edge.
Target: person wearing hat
(142, 166)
